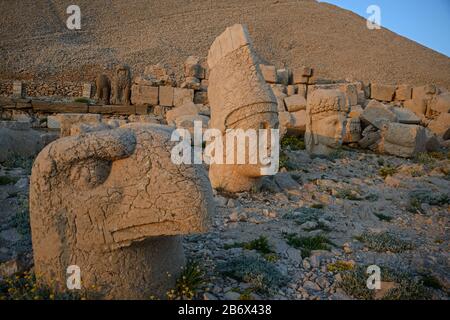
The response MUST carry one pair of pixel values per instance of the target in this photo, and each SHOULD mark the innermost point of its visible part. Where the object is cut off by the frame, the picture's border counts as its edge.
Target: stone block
(403, 140)
(18, 90)
(405, 115)
(182, 96)
(166, 96)
(403, 92)
(123, 110)
(269, 73)
(87, 90)
(144, 95)
(376, 113)
(59, 107)
(295, 103)
(382, 92)
(441, 126)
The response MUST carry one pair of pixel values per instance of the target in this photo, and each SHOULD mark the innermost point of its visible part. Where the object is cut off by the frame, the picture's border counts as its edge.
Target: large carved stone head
(239, 99)
(112, 203)
(326, 121)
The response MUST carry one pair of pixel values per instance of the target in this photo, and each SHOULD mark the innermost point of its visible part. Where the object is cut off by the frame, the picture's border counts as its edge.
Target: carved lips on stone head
(240, 99)
(113, 203)
(326, 121)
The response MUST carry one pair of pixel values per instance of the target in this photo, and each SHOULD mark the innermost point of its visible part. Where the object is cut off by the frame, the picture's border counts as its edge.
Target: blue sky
(424, 21)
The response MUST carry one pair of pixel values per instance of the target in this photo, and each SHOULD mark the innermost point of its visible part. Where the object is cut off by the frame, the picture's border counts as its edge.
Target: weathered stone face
(326, 121)
(239, 99)
(109, 202)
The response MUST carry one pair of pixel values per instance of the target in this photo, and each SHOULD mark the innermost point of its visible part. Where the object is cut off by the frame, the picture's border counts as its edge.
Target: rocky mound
(35, 43)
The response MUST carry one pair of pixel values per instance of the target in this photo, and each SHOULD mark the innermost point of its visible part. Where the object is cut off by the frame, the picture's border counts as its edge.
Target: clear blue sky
(424, 21)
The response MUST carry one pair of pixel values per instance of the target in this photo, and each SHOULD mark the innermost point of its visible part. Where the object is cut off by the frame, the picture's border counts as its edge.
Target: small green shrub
(431, 281)
(354, 283)
(308, 244)
(340, 266)
(293, 143)
(82, 100)
(382, 242)
(383, 217)
(190, 281)
(5, 180)
(417, 197)
(387, 171)
(260, 245)
(262, 275)
(349, 195)
(26, 286)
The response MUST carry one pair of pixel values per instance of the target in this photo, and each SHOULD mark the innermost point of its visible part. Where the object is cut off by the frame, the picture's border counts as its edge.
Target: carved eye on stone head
(90, 173)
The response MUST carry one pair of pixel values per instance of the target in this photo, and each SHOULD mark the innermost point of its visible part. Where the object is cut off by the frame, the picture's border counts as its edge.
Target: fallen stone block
(403, 140)
(405, 115)
(188, 108)
(301, 75)
(376, 112)
(382, 92)
(295, 103)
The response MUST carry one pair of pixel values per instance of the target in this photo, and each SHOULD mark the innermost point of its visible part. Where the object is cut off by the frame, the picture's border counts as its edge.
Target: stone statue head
(240, 99)
(113, 203)
(326, 121)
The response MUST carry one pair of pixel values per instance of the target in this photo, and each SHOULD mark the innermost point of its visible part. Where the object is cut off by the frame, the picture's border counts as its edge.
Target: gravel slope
(34, 42)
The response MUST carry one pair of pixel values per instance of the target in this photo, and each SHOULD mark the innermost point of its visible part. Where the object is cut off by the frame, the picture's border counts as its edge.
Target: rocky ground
(317, 226)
